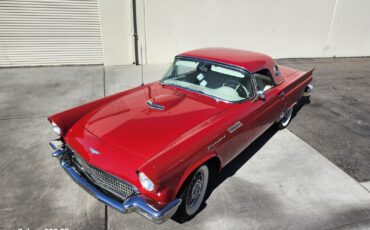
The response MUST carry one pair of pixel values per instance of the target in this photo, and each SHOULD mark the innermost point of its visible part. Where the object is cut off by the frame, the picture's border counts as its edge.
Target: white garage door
(49, 32)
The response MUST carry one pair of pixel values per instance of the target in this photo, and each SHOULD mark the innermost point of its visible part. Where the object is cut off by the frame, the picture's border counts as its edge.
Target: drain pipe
(136, 45)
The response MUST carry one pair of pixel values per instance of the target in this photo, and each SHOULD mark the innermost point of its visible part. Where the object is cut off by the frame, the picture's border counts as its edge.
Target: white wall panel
(53, 32)
(350, 31)
(279, 28)
(49, 32)
(282, 29)
(116, 25)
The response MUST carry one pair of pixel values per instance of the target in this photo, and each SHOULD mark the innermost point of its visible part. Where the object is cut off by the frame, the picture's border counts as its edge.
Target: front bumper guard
(136, 203)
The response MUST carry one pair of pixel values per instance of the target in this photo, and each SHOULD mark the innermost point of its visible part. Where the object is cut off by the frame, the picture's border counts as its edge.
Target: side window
(276, 70)
(264, 80)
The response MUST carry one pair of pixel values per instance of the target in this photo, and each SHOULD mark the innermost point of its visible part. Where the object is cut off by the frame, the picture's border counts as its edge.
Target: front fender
(67, 118)
(169, 189)
(192, 168)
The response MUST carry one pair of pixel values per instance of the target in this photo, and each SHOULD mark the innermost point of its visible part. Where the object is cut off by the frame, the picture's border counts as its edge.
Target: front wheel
(193, 194)
(285, 120)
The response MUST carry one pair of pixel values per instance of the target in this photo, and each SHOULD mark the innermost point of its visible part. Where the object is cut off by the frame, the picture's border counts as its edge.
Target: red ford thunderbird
(155, 149)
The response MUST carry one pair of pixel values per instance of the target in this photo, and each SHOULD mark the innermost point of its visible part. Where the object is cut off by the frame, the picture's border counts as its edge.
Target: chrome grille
(104, 180)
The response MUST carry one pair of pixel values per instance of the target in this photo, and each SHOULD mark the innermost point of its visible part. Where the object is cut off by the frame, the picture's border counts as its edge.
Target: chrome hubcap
(197, 189)
(287, 116)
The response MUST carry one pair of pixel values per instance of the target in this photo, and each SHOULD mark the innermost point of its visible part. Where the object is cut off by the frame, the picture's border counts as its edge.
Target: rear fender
(295, 89)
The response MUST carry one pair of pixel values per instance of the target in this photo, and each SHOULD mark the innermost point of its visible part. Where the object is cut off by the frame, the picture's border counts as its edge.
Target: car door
(266, 110)
(238, 133)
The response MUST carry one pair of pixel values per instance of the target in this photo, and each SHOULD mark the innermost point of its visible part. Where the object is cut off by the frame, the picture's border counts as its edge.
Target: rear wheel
(193, 194)
(285, 120)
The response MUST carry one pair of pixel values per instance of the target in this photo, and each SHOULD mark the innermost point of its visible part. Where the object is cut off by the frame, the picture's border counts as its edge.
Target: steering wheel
(237, 87)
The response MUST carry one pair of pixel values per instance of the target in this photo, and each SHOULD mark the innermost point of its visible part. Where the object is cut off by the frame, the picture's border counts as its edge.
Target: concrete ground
(337, 122)
(269, 185)
(274, 186)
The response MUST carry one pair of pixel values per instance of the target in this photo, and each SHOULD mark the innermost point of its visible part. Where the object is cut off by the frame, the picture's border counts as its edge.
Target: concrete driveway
(279, 182)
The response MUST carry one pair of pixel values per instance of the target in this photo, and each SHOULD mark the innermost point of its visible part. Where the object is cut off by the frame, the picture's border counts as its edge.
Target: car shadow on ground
(304, 101)
(230, 169)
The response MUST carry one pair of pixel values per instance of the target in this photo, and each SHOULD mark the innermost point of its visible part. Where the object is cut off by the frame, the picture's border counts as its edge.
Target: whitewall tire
(193, 194)
(285, 120)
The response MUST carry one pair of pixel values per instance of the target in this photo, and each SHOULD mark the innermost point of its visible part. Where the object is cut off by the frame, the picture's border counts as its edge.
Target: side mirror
(261, 95)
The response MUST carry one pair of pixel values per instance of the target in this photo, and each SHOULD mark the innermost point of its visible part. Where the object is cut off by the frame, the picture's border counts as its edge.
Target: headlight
(56, 128)
(146, 182)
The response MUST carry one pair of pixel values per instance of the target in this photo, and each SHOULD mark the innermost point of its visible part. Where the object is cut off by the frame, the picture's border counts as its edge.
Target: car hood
(148, 119)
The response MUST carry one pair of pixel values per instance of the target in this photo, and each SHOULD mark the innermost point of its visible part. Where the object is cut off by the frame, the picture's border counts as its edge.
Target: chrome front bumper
(136, 203)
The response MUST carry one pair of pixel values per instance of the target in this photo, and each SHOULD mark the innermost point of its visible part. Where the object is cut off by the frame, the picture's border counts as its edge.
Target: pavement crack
(366, 185)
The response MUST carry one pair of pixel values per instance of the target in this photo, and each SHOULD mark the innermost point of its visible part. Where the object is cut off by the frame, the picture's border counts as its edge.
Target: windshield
(215, 80)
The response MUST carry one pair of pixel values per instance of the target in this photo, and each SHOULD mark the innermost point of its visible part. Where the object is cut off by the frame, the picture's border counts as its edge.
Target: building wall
(97, 31)
(116, 30)
(282, 29)
(350, 32)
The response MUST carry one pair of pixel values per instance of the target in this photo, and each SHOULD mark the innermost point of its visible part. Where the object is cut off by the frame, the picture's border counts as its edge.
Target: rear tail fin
(307, 74)
(310, 71)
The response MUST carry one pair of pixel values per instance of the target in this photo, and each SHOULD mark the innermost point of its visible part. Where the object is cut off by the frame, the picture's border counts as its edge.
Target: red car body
(169, 145)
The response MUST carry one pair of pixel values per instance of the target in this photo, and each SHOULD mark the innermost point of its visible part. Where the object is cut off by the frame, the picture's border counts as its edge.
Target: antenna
(141, 64)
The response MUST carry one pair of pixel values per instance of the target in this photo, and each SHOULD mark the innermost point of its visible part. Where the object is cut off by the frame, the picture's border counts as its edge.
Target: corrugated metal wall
(49, 32)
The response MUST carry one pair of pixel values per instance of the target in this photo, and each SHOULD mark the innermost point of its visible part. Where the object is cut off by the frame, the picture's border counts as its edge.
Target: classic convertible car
(155, 149)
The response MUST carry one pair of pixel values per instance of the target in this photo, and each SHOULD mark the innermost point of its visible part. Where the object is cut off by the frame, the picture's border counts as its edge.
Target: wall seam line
(330, 28)
(146, 48)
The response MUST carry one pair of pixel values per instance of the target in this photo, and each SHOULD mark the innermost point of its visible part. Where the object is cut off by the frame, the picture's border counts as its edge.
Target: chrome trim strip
(135, 203)
(94, 151)
(235, 127)
(216, 142)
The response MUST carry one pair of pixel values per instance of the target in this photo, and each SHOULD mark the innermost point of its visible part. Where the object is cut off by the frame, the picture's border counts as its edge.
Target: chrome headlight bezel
(56, 128)
(145, 182)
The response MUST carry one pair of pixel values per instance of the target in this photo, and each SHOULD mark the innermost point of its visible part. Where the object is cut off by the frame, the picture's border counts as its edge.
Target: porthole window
(276, 70)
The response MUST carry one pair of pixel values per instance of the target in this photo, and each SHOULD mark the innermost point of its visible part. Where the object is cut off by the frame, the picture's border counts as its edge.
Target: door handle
(281, 94)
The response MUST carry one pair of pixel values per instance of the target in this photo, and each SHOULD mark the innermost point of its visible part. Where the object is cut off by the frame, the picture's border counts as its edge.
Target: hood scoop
(164, 102)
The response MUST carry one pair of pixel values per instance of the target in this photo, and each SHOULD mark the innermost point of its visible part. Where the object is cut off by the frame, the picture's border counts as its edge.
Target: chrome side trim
(94, 151)
(135, 203)
(235, 127)
(216, 142)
